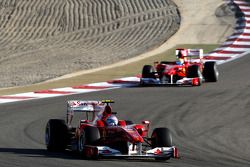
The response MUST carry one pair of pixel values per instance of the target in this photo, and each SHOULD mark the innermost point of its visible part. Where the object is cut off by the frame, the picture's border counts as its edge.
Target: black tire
(148, 71)
(89, 136)
(195, 72)
(122, 146)
(166, 62)
(56, 135)
(210, 72)
(161, 137)
(129, 122)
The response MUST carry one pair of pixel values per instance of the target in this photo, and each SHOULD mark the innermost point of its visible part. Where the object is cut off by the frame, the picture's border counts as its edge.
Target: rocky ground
(41, 40)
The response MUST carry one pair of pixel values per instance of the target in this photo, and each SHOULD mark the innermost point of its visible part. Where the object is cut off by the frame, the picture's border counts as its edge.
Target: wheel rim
(164, 79)
(171, 140)
(81, 142)
(47, 135)
(200, 77)
(216, 72)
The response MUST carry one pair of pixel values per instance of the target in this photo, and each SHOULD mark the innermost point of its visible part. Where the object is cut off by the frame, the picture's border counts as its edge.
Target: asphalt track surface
(210, 124)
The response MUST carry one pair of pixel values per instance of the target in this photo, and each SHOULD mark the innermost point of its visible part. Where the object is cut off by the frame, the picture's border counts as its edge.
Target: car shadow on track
(43, 153)
(39, 153)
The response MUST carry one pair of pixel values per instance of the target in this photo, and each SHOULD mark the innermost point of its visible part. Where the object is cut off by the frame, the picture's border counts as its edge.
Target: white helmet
(112, 120)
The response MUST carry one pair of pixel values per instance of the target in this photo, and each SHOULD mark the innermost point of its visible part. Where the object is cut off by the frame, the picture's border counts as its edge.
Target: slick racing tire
(129, 122)
(56, 135)
(89, 136)
(195, 72)
(148, 71)
(166, 62)
(161, 137)
(122, 146)
(210, 72)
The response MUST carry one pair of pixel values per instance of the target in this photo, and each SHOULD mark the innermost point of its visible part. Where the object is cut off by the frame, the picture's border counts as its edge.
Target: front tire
(148, 71)
(161, 137)
(195, 72)
(122, 146)
(89, 136)
(129, 122)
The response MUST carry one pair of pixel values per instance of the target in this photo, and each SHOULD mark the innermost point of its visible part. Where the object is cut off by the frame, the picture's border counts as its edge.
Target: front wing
(157, 81)
(158, 152)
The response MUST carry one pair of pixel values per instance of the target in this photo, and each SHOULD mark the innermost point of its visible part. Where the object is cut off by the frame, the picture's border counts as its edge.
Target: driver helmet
(107, 110)
(180, 58)
(112, 120)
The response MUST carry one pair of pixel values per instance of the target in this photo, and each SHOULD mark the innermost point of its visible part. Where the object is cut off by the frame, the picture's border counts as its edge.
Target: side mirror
(146, 125)
(145, 122)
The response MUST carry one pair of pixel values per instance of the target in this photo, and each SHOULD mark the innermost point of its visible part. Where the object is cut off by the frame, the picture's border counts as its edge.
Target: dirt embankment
(44, 40)
(204, 22)
(41, 40)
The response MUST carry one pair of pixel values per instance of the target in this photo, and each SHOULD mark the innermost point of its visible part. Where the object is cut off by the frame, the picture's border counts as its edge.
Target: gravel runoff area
(41, 40)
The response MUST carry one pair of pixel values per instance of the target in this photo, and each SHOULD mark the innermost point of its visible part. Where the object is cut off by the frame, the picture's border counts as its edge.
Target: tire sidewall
(81, 142)
(89, 136)
(148, 71)
(161, 137)
(56, 135)
(47, 135)
(211, 73)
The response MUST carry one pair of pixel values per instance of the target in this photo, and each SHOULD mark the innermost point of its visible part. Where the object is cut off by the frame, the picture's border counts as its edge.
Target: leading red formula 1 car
(189, 69)
(101, 134)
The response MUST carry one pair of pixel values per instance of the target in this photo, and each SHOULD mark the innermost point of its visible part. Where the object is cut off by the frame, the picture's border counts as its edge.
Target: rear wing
(192, 55)
(198, 53)
(84, 106)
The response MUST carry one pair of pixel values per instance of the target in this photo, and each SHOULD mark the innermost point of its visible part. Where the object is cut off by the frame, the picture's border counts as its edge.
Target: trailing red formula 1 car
(101, 134)
(189, 69)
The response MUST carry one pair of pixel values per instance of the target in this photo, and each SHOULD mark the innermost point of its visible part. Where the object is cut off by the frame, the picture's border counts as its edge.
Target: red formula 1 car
(101, 134)
(189, 69)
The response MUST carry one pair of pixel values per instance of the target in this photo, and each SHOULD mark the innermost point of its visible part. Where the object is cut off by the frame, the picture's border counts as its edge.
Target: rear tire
(56, 135)
(210, 72)
(148, 71)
